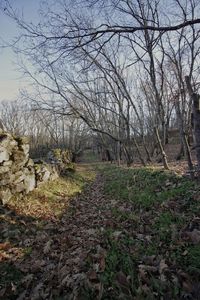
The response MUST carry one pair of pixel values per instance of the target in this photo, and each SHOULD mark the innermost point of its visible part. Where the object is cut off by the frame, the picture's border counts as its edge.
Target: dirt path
(62, 253)
(80, 232)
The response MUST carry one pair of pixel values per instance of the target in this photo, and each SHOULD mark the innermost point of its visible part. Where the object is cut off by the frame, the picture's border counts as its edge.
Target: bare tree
(89, 58)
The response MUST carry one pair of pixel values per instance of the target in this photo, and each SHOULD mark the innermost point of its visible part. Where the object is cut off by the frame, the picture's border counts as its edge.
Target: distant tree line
(46, 129)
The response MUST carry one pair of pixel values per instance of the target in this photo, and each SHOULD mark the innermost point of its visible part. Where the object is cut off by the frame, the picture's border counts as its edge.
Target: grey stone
(25, 149)
(7, 163)
(4, 155)
(46, 175)
(19, 177)
(30, 163)
(5, 195)
(4, 169)
(19, 187)
(18, 173)
(30, 182)
(5, 182)
(7, 142)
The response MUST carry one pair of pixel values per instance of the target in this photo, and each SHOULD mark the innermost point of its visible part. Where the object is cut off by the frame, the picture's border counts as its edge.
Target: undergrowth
(25, 219)
(149, 252)
(50, 199)
(147, 226)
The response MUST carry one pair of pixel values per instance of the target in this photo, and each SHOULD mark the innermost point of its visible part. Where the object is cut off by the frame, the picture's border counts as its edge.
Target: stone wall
(62, 159)
(18, 172)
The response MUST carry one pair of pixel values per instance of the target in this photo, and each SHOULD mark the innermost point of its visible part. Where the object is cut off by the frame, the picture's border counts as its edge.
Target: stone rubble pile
(62, 159)
(18, 172)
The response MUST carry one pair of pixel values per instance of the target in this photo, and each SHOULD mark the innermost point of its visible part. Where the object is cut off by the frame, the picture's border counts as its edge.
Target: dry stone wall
(62, 159)
(19, 174)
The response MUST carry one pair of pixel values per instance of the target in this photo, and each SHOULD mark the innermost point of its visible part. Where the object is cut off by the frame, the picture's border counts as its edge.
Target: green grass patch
(158, 206)
(144, 187)
(118, 261)
(51, 199)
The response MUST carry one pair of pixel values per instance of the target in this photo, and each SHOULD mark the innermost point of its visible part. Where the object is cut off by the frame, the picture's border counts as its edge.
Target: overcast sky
(10, 78)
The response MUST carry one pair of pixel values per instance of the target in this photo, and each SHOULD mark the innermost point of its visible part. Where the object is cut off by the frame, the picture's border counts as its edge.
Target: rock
(30, 182)
(42, 171)
(30, 163)
(19, 187)
(21, 140)
(46, 175)
(19, 177)
(5, 195)
(7, 163)
(54, 174)
(62, 160)
(4, 139)
(6, 178)
(4, 155)
(20, 158)
(25, 149)
(19, 173)
(7, 142)
(4, 169)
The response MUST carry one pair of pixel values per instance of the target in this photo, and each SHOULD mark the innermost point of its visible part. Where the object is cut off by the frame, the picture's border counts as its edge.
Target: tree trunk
(109, 157)
(129, 160)
(146, 150)
(118, 153)
(184, 140)
(164, 156)
(181, 152)
(196, 121)
(196, 116)
(138, 151)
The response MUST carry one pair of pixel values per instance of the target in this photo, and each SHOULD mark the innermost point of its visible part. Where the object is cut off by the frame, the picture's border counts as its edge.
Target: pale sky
(10, 78)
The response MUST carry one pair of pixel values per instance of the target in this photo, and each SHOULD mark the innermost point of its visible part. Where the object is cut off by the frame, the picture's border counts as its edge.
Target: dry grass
(50, 199)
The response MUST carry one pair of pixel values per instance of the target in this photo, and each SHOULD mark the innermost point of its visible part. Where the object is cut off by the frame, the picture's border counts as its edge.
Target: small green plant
(27, 251)
(151, 210)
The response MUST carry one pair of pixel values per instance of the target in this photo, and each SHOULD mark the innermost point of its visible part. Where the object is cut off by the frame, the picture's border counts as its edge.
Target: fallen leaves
(92, 275)
(162, 266)
(95, 252)
(47, 247)
(5, 246)
(102, 264)
(194, 236)
(144, 268)
(116, 234)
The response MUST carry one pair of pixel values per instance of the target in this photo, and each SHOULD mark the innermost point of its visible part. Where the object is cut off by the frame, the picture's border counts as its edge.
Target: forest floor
(103, 232)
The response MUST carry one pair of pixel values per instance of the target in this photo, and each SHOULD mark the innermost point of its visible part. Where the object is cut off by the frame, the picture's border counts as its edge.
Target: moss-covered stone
(5, 195)
(62, 159)
(22, 140)
(18, 173)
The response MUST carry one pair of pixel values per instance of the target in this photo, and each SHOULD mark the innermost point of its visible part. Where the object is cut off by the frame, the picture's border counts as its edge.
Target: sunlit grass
(50, 199)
